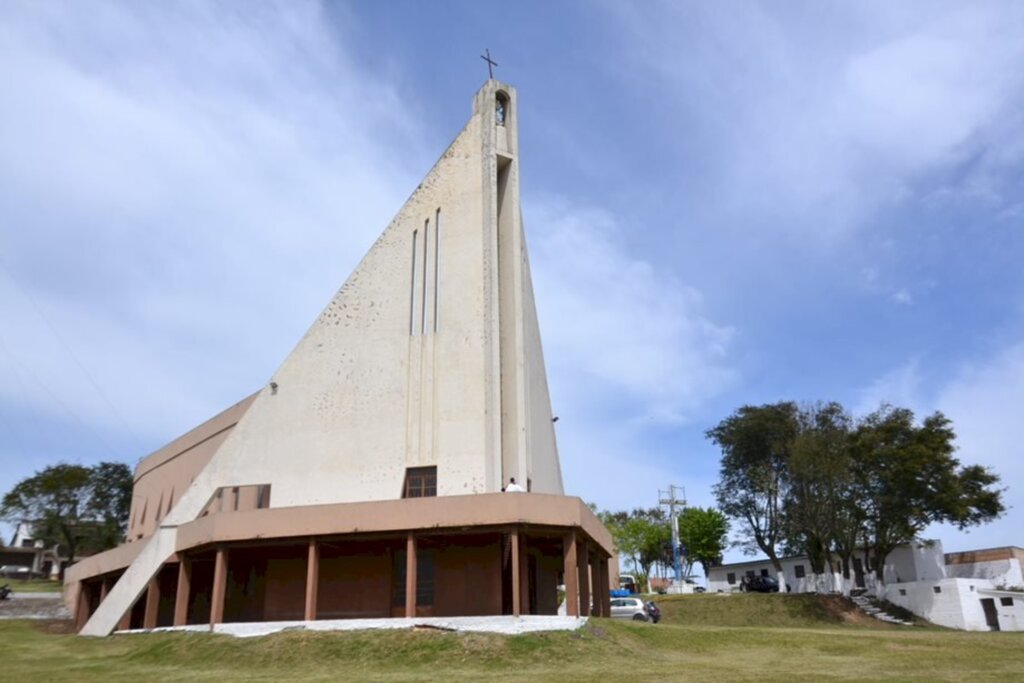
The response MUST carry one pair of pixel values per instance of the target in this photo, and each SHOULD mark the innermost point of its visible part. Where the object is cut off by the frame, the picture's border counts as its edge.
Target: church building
(367, 477)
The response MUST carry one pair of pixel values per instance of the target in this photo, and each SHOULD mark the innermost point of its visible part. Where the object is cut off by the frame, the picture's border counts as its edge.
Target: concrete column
(572, 595)
(605, 588)
(220, 585)
(524, 576)
(81, 606)
(600, 581)
(516, 575)
(152, 602)
(583, 566)
(410, 576)
(312, 579)
(183, 594)
(126, 619)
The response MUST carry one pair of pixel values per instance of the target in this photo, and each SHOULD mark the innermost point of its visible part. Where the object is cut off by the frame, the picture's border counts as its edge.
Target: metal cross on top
(490, 62)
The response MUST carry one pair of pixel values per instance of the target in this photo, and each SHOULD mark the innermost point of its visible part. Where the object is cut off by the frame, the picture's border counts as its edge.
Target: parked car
(635, 609)
(760, 584)
(695, 587)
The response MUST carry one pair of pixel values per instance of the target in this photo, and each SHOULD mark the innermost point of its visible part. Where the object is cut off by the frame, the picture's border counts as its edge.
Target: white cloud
(624, 331)
(984, 402)
(182, 187)
(903, 296)
(899, 387)
(817, 118)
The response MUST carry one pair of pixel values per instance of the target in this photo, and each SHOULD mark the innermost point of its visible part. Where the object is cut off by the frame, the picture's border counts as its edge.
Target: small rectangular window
(937, 589)
(799, 570)
(730, 578)
(1006, 602)
(424, 578)
(420, 482)
(903, 591)
(764, 572)
(750, 573)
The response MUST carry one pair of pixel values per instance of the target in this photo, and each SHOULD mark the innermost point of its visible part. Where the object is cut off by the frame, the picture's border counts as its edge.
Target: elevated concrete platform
(497, 624)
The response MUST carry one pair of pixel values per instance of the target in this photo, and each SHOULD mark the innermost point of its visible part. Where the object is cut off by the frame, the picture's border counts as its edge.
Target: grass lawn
(797, 641)
(33, 585)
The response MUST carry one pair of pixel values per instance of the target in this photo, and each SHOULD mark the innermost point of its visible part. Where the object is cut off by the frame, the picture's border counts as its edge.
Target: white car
(629, 608)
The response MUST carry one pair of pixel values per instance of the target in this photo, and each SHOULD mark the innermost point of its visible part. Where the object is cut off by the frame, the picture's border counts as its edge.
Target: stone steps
(868, 606)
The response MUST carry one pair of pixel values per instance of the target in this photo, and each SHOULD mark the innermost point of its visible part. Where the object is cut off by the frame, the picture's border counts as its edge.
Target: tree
(755, 443)
(76, 506)
(907, 478)
(639, 535)
(819, 476)
(703, 533)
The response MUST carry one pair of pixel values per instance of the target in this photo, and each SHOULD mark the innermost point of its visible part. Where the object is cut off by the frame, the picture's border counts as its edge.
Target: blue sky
(725, 203)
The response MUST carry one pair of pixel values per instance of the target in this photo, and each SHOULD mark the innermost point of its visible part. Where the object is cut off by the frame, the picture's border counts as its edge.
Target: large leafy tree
(907, 477)
(81, 508)
(819, 476)
(756, 442)
(703, 533)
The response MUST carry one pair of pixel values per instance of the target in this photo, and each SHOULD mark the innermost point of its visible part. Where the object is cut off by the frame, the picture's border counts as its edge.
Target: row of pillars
(580, 570)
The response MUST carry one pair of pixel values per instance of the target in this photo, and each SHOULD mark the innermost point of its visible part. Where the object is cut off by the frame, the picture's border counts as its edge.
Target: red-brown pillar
(126, 619)
(606, 588)
(183, 594)
(312, 579)
(583, 565)
(598, 569)
(524, 576)
(220, 586)
(104, 589)
(516, 577)
(152, 602)
(82, 606)
(569, 570)
(410, 576)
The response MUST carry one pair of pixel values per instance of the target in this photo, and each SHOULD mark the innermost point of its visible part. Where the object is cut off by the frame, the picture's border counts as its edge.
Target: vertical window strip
(412, 287)
(437, 264)
(423, 307)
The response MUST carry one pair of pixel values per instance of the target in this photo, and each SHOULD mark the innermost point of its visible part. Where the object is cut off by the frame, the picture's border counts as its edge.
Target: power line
(74, 357)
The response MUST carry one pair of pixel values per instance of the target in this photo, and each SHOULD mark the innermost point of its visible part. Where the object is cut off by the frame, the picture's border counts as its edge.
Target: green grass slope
(794, 641)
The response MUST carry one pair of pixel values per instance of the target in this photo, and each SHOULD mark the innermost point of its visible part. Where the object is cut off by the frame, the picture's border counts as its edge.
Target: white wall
(957, 604)
(999, 572)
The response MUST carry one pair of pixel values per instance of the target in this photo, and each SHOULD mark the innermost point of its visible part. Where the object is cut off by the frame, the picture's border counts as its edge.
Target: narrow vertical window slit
(412, 287)
(437, 265)
(423, 306)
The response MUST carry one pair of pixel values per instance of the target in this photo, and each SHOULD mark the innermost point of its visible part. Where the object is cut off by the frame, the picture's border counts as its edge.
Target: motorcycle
(5, 592)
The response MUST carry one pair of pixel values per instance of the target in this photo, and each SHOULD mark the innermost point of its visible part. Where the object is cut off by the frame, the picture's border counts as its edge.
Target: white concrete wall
(956, 603)
(918, 561)
(809, 583)
(1005, 573)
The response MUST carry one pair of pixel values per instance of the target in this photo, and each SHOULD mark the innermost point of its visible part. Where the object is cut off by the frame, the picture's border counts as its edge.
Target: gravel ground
(33, 606)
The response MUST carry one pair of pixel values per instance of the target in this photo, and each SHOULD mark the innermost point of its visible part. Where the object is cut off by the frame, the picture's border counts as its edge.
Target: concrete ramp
(159, 548)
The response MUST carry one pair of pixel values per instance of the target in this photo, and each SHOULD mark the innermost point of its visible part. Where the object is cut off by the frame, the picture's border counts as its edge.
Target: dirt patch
(844, 610)
(56, 627)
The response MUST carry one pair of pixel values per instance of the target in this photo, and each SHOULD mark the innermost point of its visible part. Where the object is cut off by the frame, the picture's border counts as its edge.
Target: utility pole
(676, 502)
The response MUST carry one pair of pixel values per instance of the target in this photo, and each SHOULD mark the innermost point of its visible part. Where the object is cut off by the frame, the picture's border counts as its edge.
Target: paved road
(34, 606)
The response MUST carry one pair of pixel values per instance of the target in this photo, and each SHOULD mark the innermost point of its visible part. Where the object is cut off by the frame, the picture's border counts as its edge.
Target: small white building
(978, 590)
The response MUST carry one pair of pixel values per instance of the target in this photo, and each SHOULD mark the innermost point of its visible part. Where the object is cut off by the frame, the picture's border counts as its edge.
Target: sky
(725, 204)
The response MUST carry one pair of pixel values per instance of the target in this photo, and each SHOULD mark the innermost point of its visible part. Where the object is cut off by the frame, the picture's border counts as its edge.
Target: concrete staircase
(870, 607)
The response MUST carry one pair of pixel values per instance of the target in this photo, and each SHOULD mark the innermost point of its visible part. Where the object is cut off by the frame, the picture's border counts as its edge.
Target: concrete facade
(427, 367)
